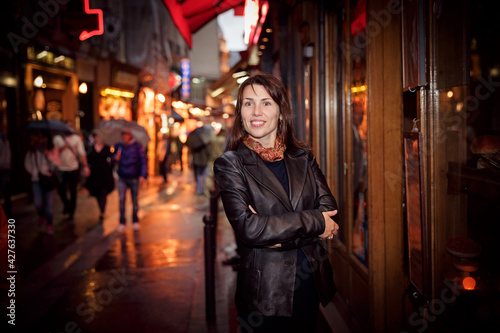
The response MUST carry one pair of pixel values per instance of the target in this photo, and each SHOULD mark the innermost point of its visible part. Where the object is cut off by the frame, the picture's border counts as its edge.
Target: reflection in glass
(359, 131)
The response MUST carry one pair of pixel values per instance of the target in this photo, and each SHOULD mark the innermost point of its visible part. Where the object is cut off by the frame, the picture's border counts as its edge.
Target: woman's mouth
(257, 123)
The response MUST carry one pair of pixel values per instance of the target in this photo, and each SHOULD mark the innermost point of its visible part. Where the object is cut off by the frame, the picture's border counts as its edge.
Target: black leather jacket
(266, 277)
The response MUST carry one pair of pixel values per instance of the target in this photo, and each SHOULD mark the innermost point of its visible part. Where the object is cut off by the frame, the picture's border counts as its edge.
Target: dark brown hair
(278, 93)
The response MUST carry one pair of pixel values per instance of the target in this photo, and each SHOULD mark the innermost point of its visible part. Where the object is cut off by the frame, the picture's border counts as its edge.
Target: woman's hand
(331, 228)
(275, 246)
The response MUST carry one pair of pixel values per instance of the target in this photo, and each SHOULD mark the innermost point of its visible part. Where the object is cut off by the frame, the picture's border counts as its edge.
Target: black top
(279, 169)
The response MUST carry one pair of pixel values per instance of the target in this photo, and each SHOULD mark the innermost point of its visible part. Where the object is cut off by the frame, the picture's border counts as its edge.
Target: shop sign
(125, 79)
(87, 34)
(186, 79)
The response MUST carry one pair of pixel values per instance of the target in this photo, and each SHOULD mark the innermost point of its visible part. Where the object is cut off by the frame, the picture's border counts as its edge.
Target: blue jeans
(133, 184)
(200, 175)
(44, 202)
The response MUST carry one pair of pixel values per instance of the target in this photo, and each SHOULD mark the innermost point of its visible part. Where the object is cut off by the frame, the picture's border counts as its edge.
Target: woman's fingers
(332, 212)
(335, 229)
(251, 208)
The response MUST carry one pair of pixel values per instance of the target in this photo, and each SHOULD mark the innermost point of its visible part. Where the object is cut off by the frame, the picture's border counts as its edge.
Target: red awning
(190, 15)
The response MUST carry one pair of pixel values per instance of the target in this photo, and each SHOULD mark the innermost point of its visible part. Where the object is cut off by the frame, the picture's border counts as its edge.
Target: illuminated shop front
(115, 104)
(51, 85)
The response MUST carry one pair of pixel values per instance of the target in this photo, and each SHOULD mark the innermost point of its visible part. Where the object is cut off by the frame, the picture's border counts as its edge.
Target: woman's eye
(247, 104)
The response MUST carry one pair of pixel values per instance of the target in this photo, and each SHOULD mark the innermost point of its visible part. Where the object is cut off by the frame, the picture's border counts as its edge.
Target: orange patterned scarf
(267, 154)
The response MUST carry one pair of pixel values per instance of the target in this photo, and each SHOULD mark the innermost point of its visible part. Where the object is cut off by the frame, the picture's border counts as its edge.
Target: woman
(41, 162)
(280, 207)
(100, 182)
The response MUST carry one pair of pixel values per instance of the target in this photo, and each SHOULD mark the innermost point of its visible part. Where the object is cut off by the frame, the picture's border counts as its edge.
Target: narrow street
(87, 277)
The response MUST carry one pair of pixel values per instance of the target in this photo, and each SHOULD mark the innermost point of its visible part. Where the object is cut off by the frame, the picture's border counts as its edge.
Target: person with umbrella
(132, 171)
(73, 156)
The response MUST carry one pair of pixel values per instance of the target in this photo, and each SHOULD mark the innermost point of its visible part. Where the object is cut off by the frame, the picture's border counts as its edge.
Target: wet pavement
(88, 277)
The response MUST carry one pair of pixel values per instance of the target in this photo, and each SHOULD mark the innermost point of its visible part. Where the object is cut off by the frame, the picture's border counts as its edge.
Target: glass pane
(468, 150)
(340, 132)
(359, 130)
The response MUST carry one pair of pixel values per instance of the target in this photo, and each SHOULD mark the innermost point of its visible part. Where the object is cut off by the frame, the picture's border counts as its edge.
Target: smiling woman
(281, 210)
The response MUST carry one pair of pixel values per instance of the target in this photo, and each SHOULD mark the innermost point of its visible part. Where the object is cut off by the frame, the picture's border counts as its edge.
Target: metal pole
(209, 268)
(214, 208)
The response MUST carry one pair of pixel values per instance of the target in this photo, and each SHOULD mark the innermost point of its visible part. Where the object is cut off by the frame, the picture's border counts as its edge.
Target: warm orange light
(83, 88)
(87, 34)
(469, 283)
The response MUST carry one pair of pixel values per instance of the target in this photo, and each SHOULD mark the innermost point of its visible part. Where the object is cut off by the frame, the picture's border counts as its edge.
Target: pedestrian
(280, 207)
(132, 171)
(73, 157)
(41, 162)
(216, 150)
(101, 181)
(163, 153)
(5, 165)
(179, 149)
(200, 143)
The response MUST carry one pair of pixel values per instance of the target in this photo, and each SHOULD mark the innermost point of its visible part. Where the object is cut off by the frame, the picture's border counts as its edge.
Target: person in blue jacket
(132, 172)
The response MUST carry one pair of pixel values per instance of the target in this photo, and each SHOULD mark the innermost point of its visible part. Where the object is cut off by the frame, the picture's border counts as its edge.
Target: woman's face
(97, 139)
(260, 115)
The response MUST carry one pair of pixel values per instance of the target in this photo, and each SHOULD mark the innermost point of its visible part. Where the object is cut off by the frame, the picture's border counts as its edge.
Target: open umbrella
(111, 131)
(52, 126)
(200, 137)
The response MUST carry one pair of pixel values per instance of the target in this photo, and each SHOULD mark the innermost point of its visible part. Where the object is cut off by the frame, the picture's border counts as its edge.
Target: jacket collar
(296, 166)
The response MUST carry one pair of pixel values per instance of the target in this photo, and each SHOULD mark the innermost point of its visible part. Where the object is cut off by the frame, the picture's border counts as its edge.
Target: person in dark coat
(281, 210)
(163, 154)
(132, 171)
(100, 182)
(200, 144)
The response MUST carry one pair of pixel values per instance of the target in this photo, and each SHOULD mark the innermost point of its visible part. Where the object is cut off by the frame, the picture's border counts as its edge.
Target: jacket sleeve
(253, 229)
(325, 201)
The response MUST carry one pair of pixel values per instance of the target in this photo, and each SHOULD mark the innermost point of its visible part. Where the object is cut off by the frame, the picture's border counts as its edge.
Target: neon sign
(86, 34)
(251, 18)
(254, 21)
(185, 79)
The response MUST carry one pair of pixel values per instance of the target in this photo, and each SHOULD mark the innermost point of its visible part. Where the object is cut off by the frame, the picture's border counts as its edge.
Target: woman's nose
(257, 111)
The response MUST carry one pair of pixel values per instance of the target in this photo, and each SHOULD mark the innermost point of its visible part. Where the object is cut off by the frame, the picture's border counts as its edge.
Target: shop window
(359, 128)
(467, 157)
